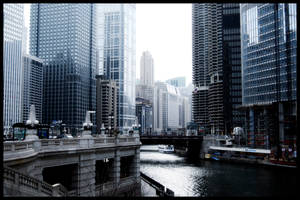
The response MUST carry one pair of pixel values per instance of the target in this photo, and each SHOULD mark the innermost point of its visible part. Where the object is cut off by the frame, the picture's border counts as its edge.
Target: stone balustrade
(17, 149)
(27, 184)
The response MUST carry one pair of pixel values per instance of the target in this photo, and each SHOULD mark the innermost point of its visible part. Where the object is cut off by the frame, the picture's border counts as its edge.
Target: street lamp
(139, 130)
(110, 117)
(102, 129)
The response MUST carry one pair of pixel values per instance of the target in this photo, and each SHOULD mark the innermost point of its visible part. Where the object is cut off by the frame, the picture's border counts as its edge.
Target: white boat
(166, 148)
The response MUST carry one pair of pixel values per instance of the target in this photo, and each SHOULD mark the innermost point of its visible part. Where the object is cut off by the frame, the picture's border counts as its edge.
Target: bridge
(191, 145)
(91, 166)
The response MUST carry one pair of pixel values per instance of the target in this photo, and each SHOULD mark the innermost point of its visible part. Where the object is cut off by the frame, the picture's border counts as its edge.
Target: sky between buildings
(165, 30)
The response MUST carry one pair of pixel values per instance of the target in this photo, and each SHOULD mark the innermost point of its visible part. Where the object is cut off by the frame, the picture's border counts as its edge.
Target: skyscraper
(32, 86)
(269, 63)
(147, 69)
(107, 98)
(12, 63)
(216, 67)
(116, 54)
(63, 35)
(177, 82)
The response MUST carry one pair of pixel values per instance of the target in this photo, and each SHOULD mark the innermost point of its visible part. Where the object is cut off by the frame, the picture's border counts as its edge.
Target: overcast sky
(165, 30)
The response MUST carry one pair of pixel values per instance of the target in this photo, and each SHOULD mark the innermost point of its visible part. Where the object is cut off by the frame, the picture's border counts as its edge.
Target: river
(213, 178)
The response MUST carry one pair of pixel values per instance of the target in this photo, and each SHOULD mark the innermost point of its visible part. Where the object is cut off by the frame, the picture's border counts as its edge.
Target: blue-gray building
(269, 63)
(12, 64)
(32, 86)
(116, 54)
(63, 35)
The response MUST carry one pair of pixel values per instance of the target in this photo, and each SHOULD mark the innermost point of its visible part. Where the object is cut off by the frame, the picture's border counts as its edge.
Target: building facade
(12, 64)
(63, 35)
(107, 99)
(116, 54)
(147, 69)
(269, 63)
(144, 114)
(144, 91)
(32, 86)
(216, 67)
(177, 82)
(170, 108)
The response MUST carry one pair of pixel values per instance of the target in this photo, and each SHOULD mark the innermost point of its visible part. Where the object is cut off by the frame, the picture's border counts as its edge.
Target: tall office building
(63, 35)
(12, 63)
(269, 63)
(177, 82)
(32, 86)
(107, 98)
(116, 54)
(216, 67)
(147, 69)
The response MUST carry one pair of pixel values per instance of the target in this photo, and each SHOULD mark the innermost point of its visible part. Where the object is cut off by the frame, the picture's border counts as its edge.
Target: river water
(213, 178)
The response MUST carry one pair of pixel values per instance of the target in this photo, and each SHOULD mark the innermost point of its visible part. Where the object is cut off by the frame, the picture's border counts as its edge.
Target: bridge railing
(9, 146)
(13, 178)
(16, 149)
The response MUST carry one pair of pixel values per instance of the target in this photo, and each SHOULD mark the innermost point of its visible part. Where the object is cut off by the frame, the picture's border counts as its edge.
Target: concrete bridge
(190, 145)
(95, 166)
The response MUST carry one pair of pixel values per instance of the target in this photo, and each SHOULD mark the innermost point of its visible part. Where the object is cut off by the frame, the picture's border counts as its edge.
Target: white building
(12, 63)
(147, 69)
(171, 109)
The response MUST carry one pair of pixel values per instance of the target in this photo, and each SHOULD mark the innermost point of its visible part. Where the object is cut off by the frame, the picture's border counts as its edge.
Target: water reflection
(207, 178)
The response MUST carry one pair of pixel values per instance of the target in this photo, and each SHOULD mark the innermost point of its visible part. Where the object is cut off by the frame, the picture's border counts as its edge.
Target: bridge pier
(117, 167)
(87, 174)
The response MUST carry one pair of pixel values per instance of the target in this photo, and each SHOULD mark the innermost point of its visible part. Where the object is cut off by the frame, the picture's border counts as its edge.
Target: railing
(12, 148)
(17, 145)
(19, 179)
(160, 189)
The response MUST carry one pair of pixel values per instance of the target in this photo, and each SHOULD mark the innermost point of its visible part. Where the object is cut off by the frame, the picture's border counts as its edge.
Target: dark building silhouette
(216, 67)
(63, 35)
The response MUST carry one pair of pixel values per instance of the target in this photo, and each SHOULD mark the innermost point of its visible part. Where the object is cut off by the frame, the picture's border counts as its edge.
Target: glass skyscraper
(116, 54)
(12, 63)
(216, 67)
(32, 86)
(269, 48)
(269, 64)
(63, 35)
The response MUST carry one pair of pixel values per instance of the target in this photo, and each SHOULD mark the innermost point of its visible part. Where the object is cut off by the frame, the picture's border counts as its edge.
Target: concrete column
(135, 170)
(281, 125)
(87, 167)
(116, 167)
(136, 163)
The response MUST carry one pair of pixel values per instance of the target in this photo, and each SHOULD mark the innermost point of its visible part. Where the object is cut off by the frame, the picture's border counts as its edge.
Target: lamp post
(110, 118)
(102, 130)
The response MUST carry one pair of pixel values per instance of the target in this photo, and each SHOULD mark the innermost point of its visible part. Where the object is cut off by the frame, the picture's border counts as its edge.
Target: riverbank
(250, 161)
